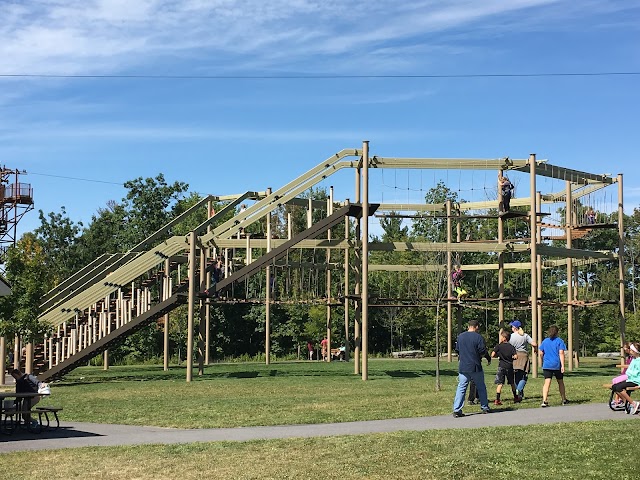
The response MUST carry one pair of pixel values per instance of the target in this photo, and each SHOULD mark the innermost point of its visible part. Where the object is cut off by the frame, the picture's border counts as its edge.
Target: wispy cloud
(168, 133)
(109, 36)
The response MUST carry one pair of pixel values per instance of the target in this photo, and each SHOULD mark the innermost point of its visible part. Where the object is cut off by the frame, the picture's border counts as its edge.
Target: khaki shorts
(522, 362)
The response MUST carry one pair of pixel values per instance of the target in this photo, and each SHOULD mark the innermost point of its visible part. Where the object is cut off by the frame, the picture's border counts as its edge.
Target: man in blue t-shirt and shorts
(552, 351)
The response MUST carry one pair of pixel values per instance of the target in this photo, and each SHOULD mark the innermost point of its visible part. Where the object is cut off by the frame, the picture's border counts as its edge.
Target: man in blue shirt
(471, 348)
(552, 351)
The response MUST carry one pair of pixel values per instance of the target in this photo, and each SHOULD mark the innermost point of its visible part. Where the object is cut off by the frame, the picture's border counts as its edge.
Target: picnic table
(16, 413)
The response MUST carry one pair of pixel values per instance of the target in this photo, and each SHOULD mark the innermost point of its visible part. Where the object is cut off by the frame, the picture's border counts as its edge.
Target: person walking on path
(506, 354)
(471, 347)
(552, 351)
(521, 342)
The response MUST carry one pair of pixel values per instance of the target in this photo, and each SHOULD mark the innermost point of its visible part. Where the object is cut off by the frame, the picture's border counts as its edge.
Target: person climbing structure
(456, 280)
(506, 191)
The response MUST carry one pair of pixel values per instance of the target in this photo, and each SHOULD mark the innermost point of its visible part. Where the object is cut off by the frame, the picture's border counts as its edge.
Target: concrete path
(73, 434)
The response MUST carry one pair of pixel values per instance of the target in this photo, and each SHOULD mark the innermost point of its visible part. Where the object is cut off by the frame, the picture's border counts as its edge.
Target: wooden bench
(627, 407)
(337, 354)
(13, 419)
(46, 411)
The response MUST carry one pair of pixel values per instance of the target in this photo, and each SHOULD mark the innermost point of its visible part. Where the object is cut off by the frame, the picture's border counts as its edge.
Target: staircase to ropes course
(117, 294)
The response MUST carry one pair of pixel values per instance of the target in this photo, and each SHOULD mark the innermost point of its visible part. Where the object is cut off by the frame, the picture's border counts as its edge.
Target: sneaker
(486, 410)
(544, 404)
(635, 408)
(497, 402)
(458, 414)
(617, 406)
(565, 402)
(517, 399)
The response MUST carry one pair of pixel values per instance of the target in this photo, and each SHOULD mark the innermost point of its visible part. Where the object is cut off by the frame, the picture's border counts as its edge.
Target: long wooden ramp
(83, 356)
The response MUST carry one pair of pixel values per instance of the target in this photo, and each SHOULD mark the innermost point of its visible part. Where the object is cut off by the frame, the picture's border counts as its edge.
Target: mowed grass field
(231, 395)
(250, 394)
(588, 450)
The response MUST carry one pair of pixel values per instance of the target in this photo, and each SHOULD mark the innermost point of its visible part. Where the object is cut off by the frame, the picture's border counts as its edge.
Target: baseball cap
(515, 323)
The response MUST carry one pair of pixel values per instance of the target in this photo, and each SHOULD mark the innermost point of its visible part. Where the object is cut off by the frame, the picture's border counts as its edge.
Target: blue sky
(226, 136)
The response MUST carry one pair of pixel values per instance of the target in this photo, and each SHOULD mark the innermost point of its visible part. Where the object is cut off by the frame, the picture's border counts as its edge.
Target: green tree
(59, 237)
(27, 273)
(149, 206)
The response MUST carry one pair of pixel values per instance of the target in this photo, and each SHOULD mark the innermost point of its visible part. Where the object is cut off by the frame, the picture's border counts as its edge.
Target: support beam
(534, 254)
(569, 224)
(449, 287)
(365, 260)
(192, 300)
(623, 320)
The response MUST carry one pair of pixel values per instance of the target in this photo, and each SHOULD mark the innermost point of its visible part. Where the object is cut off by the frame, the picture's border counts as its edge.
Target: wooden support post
(500, 259)
(345, 289)
(358, 278)
(569, 229)
(3, 356)
(449, 287)
(267, 326)
(534, 254)
(201, 316)
(166, 293)
(365, 260)
(192, 299)
(207, 307)
(17, 353)
(328, 276)
(539, 258)
(623, 320)
(29, 360)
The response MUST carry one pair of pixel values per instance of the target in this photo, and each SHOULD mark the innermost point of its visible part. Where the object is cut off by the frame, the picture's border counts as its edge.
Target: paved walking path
(73, 434)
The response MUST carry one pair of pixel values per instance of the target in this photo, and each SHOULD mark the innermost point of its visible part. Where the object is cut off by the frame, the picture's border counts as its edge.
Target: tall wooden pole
(449, 287)
(207, 307)
(328, 276)
(192, 300)
(267, 325)
(3, 356)
(365, 260)
(358, 274)
(539, 259)
(623, 320)
(166, 293)
(500, 260)
(202, 314)
(345, 289)
(569, 230)
(534, 253)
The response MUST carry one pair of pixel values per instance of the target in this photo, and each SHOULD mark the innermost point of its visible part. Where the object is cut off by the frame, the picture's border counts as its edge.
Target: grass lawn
(588, 450)
(249, 394)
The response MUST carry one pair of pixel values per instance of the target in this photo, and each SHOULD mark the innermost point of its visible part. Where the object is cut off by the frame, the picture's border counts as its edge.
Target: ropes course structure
(278, 247)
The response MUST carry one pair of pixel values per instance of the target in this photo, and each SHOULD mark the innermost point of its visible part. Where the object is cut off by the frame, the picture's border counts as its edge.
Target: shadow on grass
(402, 374)
(247, 374)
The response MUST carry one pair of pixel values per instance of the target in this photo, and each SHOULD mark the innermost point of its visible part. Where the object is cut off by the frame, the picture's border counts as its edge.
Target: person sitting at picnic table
(26, 383)
(633, 379)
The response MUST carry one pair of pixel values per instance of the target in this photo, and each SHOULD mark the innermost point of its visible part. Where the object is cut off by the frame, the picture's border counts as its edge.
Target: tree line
(60, 246)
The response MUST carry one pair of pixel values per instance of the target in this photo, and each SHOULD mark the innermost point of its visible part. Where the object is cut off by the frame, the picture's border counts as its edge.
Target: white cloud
(44, 132)
(111, 36)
